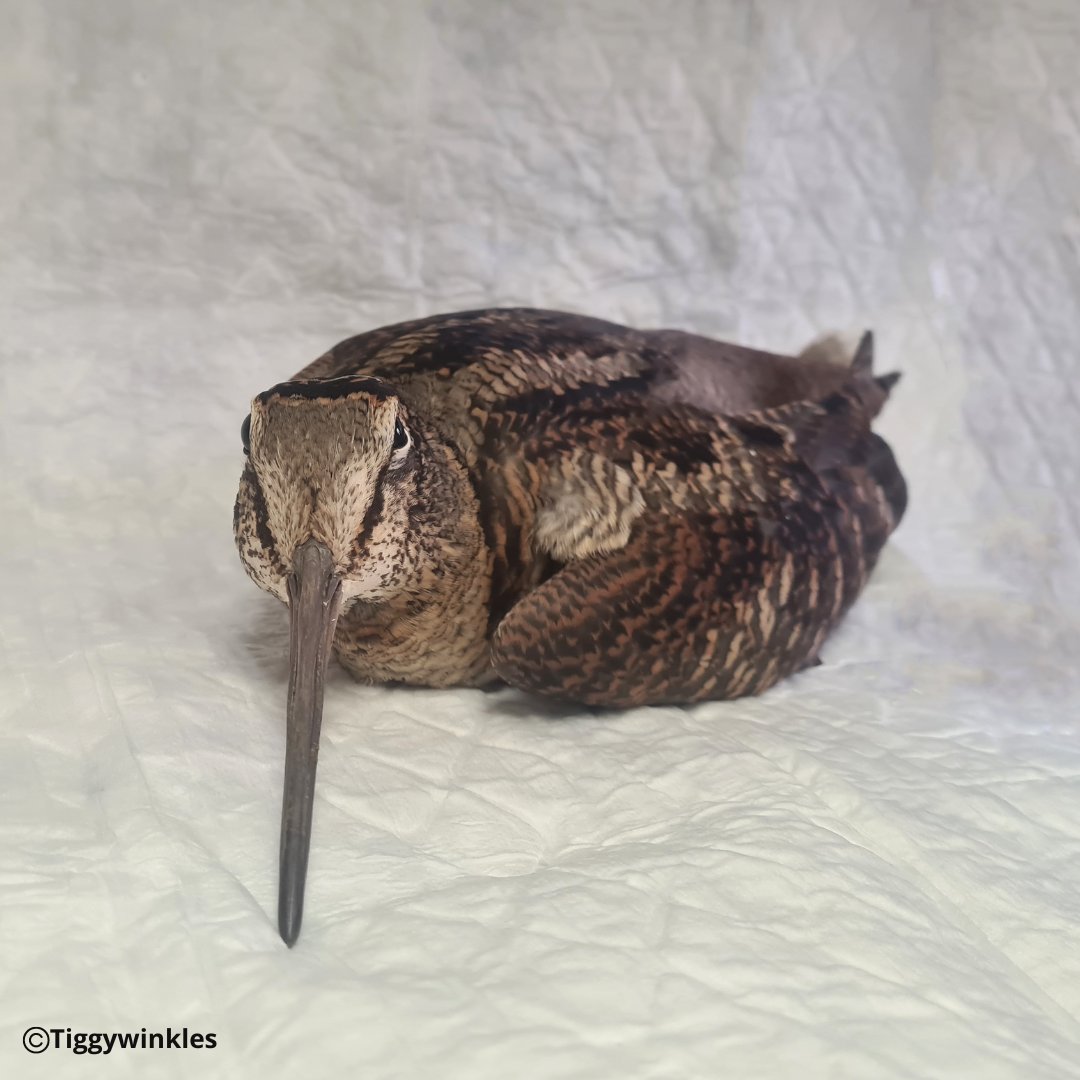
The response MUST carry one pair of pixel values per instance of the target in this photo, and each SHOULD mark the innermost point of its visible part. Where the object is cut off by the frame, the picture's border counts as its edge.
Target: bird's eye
(245, 433)
(401, 436)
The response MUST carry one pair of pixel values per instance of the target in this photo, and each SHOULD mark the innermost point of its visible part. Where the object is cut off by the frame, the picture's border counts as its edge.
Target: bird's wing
(693, 607)
(747, 540)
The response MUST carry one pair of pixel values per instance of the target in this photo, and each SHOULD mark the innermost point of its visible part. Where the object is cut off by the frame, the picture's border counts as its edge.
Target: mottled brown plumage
(587, 511)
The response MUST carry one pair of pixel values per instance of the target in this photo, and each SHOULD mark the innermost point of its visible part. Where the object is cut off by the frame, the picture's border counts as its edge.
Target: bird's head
(335, 462)
(329, 506)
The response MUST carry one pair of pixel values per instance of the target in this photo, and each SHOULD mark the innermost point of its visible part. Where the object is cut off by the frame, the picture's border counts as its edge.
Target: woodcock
(600, 514)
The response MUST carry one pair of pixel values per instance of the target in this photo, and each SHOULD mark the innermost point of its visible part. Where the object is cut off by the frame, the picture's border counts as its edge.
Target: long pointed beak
(314, 606)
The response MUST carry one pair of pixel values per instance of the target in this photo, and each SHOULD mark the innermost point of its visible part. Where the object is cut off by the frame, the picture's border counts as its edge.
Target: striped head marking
(334, 461)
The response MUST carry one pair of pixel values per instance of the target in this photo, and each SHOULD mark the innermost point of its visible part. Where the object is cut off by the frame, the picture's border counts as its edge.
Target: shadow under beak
(314, 605)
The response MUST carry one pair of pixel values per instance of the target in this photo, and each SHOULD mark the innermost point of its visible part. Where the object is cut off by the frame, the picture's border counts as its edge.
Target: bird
(582, 510)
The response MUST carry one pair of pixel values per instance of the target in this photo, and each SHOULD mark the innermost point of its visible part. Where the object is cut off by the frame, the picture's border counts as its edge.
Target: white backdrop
(873, 871)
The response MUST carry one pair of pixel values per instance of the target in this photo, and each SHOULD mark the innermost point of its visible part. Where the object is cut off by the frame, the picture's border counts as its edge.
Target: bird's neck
(432, 630)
